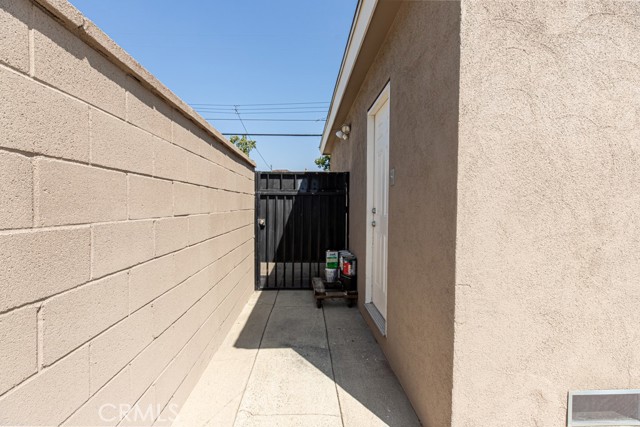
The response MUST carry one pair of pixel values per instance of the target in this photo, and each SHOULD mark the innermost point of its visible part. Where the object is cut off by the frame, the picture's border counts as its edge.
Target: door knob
(373, 210)
(373, 223)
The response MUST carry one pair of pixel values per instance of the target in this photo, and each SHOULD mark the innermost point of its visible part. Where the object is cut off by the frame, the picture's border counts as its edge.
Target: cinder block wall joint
(126, 237)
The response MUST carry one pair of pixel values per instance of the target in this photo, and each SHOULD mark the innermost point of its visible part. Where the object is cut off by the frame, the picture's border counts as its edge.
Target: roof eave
(371, 22)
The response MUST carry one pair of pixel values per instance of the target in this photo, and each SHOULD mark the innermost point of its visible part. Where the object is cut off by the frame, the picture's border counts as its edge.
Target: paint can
(349, 265)
(341, 255)
(331, 259)
(331, 274)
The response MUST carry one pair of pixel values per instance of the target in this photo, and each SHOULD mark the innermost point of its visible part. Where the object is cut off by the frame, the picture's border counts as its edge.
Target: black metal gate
(299, 216)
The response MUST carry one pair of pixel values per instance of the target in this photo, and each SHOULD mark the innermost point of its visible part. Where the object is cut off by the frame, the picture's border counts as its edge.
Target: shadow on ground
(321, 365)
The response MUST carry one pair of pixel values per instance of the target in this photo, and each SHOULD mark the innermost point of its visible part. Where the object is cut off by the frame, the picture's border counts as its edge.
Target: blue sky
(240, 52)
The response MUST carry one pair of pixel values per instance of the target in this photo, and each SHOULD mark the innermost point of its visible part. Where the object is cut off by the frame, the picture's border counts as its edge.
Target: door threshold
(377, 318)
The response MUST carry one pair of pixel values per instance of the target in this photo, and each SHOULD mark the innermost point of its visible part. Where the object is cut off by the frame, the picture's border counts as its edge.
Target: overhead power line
(266, 112)
(270, 112)
(275, 112)
(260, 105)
(315, 107)
(270, 120)
(258, 151)
(273, 134)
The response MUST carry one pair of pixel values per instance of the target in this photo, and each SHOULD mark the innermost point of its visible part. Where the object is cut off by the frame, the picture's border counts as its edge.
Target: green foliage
(244, 144)
(324, 162)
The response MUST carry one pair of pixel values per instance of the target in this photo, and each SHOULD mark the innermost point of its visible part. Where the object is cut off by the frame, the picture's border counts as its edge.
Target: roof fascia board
(359, 28)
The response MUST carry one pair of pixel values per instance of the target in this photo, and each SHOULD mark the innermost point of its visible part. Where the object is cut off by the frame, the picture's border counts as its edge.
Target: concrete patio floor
(287, 363)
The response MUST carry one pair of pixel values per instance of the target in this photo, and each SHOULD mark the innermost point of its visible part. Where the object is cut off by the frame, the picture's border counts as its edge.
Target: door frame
(379, 320)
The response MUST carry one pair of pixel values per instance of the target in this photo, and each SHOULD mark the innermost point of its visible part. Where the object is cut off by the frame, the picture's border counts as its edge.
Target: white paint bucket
(331, 274)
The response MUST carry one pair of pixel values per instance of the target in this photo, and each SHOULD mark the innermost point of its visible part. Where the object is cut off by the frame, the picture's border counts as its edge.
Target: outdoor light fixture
(343, 133)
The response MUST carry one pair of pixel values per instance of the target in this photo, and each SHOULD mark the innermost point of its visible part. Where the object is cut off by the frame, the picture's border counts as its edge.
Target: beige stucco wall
(126, 237)
(547, 295)
(419, 59)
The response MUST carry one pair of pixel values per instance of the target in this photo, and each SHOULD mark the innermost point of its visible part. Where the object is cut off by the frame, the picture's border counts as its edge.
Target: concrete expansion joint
(309, 348)
(255, 358)
(302, 414)
(226, 405)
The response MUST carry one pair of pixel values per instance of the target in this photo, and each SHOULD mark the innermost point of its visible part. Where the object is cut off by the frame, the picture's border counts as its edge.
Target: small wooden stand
(323, 290)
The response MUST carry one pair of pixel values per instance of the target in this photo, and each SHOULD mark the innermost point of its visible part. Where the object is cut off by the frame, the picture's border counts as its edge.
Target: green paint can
(331, 259)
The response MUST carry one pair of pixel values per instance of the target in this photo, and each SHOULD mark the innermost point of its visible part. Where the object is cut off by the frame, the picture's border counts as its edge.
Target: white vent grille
(619, 408)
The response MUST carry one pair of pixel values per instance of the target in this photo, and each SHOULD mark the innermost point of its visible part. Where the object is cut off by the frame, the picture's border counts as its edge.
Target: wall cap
(74, 21)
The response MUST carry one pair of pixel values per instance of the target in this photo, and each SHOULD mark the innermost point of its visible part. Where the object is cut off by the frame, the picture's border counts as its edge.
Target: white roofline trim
(359, 30)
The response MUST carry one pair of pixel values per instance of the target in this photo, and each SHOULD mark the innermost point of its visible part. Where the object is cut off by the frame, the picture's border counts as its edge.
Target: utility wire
(270, 120)
(265, 112)
(260, 105)
(247, 132)
(314, 107)
(273, 134)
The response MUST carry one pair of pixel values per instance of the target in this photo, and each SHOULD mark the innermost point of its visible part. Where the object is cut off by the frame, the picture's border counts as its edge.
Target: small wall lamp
(344, 132)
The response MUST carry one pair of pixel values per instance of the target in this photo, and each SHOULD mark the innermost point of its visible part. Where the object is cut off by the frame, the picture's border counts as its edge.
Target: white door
(380, 208)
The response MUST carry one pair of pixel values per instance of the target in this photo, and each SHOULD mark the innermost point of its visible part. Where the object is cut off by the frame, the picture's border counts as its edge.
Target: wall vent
(591, 408)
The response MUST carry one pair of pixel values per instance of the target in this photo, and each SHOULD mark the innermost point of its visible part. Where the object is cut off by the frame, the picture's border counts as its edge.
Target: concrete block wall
(126, 229)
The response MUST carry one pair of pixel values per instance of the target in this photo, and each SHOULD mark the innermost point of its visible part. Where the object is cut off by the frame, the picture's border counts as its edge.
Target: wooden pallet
(323, 290)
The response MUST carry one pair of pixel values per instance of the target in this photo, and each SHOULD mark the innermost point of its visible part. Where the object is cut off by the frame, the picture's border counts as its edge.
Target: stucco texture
(547, 260)
(419, 58)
